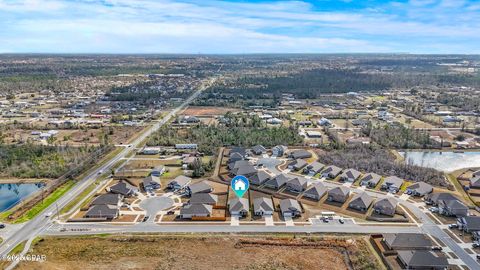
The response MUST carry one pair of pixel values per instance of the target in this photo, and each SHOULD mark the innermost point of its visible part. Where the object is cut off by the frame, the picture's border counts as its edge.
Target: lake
(12, 194)
(442, 161)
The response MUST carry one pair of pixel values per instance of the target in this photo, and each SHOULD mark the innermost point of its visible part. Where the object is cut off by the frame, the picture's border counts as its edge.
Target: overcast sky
(211, 26)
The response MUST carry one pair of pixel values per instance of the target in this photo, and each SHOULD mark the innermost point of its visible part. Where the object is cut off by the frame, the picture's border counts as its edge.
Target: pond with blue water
(443, 161)
(12, 194)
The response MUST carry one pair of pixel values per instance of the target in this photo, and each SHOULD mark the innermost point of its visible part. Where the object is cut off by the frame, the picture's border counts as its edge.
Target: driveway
(153, 205)
(271, 164)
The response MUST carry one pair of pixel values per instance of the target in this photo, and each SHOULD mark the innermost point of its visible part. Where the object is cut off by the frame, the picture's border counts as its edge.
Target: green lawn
(46, 202)
(77, 199)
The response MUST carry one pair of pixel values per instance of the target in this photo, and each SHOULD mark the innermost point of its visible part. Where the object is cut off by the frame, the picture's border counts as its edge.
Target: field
(207, 111)
(201, 252)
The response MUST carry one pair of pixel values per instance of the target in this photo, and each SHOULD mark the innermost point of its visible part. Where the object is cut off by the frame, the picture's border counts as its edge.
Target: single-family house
(421, 259)
(196, 210)
(279, 150)
(199, 187)
(238, 206)
(361, 202)
(301, 153)
(370, 180)
(392, 184)
(263, 206)
(106, 211)
(290, 208)
(314, 168)
(179, 182)
(259, 178)
(407, 241)
(123, 188)
(296, 184)
(277, 182)
(245, 170)
(419, 189)
(338, 194)
(258, 150)
(203, 198)
(469, 224)
(297, 164)
(452, 208)
(475, 182)
(331, 172)
(350, 175)
(158, 171)
(385, 206)
(316, 191)
(151, 183)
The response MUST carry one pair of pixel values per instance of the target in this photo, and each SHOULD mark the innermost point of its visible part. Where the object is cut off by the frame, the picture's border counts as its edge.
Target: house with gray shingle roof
(338, 194)
(259, 178)
(370, 180)
(297, 184)
(279, 150)
(314, 168)
(297, 164)
(419, 189)
(278, 181)
(407, 241)
(196, 210)
(263, 206)
(105, 211)
(238, 206)
(290, 208)
(179, 182)
(258, 150)
(361, 202)
(108, 198)
(316, 191)
(331, 172)
(299, 154)
(475, 182)
(350, 175)
(204, 198)
(422, 259)
(392, 184)
(123, 188)
(151, 183)
(199, 187)
(386, 206)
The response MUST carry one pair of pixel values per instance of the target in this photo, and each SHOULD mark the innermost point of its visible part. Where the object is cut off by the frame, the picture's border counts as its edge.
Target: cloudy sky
(248, 26)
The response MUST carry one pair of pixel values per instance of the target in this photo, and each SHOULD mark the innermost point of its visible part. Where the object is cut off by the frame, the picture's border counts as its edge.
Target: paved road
(36, 225)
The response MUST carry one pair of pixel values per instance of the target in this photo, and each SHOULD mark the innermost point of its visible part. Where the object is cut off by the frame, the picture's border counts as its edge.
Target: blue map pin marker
(240, 185)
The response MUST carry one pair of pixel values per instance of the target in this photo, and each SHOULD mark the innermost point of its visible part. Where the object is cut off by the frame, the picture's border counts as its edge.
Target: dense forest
(399, 136)
(313, 83)
(236, 131)
(39, 161)
(380, 161)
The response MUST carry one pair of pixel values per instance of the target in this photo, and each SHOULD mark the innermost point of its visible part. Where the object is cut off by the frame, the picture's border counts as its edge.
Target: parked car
(452, 226)
(478, 256)
(341, 221)
(171, 212)
(2, 226)
(437, 248)
(145, 218)
(433, 209)
(49, 214)
(475, 245)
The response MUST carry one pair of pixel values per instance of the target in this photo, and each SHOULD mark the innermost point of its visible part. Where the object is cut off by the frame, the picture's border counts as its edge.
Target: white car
(49, 214)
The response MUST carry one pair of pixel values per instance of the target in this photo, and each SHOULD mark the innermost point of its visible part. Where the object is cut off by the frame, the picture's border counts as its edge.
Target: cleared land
(195, 252)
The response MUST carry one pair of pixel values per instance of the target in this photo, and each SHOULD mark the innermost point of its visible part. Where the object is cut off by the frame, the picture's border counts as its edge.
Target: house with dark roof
(452, 208)
(238, 206)
(385, 206)
(290, 208)
(297, 184)
(237, 164)
(434, 198)
(331, 172)
(151, 183)
(300, 154)
(263, 206)
(314, 168)
(370, 180)
(338, 194)
(245, 170)
(199, 187)
(158, 171)
(105, 211)
(203, 198)
(407, 241)
(108, 198)
(392, 184)
(350, 175)
(361, 202)
(259, 178)
(476, 173)
(234, 157)
(258, 150)
(419, 189)
(469, 224)
(421, 259)
(123, 188)
(196, 210)
(316, 191)
(297, 164)
(179, 182)
(277, 182)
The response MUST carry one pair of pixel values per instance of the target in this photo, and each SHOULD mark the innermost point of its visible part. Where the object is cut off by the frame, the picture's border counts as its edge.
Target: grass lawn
(46, 202)
(77, 199)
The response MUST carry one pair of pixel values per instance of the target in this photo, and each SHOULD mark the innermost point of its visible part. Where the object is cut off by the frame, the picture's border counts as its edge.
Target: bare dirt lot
(207, 111)
(196, 252)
